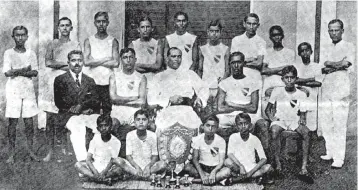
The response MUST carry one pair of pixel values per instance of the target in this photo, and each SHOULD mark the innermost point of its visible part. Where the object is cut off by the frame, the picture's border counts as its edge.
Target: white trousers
(77, 125)
(333, 117)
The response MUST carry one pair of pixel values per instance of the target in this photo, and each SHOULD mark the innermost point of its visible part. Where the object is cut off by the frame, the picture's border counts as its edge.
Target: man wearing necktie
(77, 101)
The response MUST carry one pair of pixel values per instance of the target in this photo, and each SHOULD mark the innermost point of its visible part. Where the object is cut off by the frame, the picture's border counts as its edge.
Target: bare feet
(34, 157)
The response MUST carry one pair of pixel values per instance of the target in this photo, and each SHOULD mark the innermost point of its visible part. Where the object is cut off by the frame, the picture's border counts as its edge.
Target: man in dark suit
(77, 101)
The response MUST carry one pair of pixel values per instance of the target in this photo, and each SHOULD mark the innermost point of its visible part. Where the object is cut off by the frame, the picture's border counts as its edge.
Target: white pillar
(329, 12)
(69, 8)
(46, 15)
(306, 12)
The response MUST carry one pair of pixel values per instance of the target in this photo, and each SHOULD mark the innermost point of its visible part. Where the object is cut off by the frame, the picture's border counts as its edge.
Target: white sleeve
(129, 146)
(154, 145)
(195, 144)
(304, 103)
(274, 95)
(262, 48)
(222, 85)
(92, 145)
(201, 88)
(116, 148)
(231, 145)
(234, 46)
(7, 62)
(222, 146)
(259, 149)
(351, 57)
(33, 61)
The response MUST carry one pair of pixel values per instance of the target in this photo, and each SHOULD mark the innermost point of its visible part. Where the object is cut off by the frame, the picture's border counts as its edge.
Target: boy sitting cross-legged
(209, 154)
(241, 153)
(102, 153)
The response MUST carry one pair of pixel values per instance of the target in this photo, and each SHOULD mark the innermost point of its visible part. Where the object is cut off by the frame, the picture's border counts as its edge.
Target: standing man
(183, 40)
(101, 56)
(56, 64)
(214, 58)
(251, 45)
(20, 66)
(338, 58)
(148, 49)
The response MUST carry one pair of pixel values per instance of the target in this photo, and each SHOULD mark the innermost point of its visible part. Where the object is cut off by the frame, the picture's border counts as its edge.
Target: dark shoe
(305, 178)
(267, 181)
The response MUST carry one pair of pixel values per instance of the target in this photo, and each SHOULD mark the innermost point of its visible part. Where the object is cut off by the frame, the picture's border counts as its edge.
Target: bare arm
(166, 48)
(132, 162)
(257, 167)
(255, 63)
(228, 107)
(272, 71)
(50, 62)
(90, 164)
(114, 60)
(235, 160)
(195, 56)
(309, 82)
(270, 112)
(200, 64)
(197, 164)
(142, 94)
(108, 167)
(25, 72)
(227, 66)
(338, 64)
(118, 100)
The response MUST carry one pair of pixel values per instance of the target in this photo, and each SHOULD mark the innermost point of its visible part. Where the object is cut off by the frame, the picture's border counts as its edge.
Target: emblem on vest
(131, 85)
(245, 91)
(187, 47)
(150, 49)
(214, 151)
(293, 103)
(217, 58)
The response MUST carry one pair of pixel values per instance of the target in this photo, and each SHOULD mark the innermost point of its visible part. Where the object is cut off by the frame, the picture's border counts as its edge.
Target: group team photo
(178, 94)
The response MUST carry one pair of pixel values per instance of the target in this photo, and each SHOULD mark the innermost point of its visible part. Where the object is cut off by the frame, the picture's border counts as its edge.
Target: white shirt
(127, 85)
(337, 85)
(288, 104)
(209, 154)
(21, 87)
(103, 151)
(277, 59)
(141, 150)
(239, 90)
(214, 63)
(100, 49)
(176, 82)
(185, 43)
(244, 151)
(74, 76)
(146, 52)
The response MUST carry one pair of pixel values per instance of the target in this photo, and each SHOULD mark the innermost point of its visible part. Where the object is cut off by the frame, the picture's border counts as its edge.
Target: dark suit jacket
(68, 94)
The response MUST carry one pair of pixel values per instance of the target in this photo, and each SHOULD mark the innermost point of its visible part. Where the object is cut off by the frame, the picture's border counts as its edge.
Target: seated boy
(141, 149)
(290, 114)
(102, 153)
(241, 153)
(209, 154)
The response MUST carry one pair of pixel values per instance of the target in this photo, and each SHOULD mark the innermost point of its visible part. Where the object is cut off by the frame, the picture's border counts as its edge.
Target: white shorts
(124, 114)
(17, 107)
(228, 120)
(290, 125)
(311, 122)
(78, 123)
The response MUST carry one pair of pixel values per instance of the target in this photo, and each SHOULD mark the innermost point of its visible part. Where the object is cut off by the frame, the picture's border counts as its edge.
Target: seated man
(76, 99)
(209, 154)
(239, 93)
(104, 147)
(127, 88)
(290, 114)
(141, 149)
(241, 153)
(179, 92)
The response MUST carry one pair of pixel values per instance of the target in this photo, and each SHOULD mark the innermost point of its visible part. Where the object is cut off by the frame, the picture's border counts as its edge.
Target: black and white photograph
(200, 94)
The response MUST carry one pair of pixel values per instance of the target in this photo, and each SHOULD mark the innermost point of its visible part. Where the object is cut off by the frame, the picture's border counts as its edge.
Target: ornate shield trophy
(175, 145)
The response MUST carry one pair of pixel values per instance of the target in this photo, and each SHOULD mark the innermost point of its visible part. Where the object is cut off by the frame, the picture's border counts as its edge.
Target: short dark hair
(79, 52)
(126, 50)
(104, 118)
(181, 13)
(237, 53)
(276, 27)
(215, 23)
(64, 18)
(170, 49)
(144, 18)
(252, 15)
(335, 21)
(141, 112)
(289, 69)
(299, 48)
(98, 14)
(211, 118)
(20, 28)
(243, 115)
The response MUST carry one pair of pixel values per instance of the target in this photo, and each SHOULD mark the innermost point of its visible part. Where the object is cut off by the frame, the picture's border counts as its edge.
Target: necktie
(77, 81)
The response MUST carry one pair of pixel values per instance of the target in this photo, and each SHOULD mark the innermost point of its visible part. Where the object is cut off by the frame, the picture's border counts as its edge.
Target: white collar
(74, 76)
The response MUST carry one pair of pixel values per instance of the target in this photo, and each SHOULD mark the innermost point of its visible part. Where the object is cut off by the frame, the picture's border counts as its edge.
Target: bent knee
(226, 171)
(228, 162)
(79, 164)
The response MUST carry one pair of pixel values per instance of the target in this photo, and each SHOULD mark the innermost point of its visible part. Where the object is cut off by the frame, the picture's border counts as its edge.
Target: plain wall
(24, 13)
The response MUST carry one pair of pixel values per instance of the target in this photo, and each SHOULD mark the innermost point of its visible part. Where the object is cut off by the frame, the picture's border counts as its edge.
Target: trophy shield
(175, 143)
